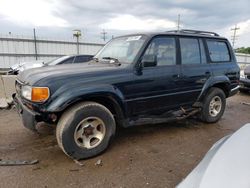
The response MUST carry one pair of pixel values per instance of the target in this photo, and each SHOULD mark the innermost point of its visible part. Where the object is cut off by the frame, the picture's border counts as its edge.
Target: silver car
(17, 68)
(227, 164)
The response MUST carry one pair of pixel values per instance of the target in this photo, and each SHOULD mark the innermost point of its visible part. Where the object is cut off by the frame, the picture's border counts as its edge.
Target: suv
(134, 79)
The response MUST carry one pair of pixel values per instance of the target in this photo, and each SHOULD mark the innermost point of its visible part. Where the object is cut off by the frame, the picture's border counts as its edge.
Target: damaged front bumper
(245, 83)
(28, 116)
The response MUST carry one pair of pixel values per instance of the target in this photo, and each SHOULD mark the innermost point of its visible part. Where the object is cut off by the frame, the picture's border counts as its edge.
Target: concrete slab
(2, 92)
(9, 85)
(3, 103)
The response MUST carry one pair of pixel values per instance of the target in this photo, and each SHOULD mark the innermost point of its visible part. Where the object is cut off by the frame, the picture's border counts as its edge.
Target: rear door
(194, 67)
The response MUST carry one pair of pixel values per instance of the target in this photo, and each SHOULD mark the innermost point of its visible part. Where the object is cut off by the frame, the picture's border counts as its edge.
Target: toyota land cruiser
(133, 79)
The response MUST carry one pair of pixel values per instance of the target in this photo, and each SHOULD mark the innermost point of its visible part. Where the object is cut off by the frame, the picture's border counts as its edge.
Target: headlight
(26, 92)
(35, 94)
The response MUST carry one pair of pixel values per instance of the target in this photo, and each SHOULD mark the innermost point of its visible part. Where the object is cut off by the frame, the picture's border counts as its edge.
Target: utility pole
(178, 22)
(77, 33)
(34, 32)
(104, 33)
(234, 37)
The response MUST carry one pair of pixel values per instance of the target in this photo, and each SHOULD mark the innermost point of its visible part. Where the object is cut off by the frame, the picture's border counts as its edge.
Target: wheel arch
(221, 82)
(109, 100)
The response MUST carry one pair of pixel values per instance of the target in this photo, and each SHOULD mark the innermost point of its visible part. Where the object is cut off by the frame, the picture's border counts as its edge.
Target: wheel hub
(90, 132)
(215, 106)
(87, 131)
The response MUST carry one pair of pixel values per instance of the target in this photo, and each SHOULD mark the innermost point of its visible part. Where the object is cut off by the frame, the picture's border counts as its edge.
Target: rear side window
(218, 51)
(82, 59)
(190, 51)
(68, 61)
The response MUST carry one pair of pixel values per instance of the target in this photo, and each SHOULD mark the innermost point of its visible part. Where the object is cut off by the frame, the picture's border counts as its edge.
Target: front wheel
(85, 130)
(213, 105)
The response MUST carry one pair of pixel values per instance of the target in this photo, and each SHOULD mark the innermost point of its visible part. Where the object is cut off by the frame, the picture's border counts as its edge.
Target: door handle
(208, 73)
(176, 76)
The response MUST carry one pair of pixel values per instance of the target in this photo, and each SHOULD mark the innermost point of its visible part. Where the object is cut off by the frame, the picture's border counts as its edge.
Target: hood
(227, 164)
(16, 66)
(26, 65)
(45, 75)
(32, 65)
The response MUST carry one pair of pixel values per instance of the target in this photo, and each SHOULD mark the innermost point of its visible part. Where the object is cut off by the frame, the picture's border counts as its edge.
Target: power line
(104, 34)
(234, 37)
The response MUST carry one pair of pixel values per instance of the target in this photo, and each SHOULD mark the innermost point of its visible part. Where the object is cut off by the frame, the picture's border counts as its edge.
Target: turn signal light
(39, 94)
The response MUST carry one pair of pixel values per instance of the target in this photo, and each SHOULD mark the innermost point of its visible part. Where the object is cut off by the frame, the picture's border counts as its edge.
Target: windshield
(124, 49)
(57, 60)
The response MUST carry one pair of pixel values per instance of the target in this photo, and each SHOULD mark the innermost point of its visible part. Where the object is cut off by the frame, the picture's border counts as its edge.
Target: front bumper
(245, 83)
(28, 116)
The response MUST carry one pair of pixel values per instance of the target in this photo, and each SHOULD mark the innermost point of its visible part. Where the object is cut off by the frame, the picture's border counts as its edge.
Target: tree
(243, 50)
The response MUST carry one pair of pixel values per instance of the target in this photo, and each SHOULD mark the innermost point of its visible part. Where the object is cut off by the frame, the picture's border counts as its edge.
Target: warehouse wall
(243, 58)
(16, 49)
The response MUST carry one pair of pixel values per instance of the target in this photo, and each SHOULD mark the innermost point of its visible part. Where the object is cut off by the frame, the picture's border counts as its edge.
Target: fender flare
(212, 81)
(64, 97)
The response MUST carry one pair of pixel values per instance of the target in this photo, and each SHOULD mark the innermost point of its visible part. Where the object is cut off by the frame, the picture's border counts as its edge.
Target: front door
(156, 89)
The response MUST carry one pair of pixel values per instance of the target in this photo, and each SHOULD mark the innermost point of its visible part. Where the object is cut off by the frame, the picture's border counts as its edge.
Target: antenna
(234, 37)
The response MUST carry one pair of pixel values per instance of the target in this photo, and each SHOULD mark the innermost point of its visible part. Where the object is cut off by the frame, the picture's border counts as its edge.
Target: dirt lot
(145, 156)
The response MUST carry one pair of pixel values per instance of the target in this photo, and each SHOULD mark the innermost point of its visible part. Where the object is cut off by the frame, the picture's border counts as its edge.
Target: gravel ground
(144, 156)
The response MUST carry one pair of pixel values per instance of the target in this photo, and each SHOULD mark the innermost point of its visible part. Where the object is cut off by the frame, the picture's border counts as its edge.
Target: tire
(211, 114)
(85, 130)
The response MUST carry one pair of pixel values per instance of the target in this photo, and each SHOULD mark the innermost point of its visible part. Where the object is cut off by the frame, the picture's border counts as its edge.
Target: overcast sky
(57, 18)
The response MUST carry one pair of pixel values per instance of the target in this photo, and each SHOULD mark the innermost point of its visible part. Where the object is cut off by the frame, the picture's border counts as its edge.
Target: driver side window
(164, 49)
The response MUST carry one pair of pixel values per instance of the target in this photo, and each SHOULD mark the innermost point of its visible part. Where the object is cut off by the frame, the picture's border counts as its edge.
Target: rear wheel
(85, 130)
(213, 105)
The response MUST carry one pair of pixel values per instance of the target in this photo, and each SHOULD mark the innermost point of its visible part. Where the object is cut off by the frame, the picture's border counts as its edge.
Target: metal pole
(234, 34)
(178, 22)
(34, 32)
(77, 34)
(104, 33)
(77, 43)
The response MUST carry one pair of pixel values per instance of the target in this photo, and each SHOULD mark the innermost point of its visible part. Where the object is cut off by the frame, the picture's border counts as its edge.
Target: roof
(183, 32)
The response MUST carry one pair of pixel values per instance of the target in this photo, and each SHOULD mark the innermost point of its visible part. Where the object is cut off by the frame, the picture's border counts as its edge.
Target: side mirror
(149, 61)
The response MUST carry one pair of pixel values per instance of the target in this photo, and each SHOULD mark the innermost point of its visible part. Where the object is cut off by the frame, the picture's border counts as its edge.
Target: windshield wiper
(112, 60)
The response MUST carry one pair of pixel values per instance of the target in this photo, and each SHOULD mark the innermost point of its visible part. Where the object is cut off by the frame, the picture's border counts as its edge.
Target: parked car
(15, 69)
(133, 79)
(225, 165)
(245, 79)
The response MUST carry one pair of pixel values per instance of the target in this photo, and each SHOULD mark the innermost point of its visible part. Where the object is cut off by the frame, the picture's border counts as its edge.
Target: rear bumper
(245, 83)
(28, 116)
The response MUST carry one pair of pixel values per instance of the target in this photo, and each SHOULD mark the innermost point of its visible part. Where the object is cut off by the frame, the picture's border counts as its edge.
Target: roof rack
(189, 31)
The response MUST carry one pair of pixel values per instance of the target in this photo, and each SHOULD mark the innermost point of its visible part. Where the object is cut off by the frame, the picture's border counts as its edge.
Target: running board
(178, 115)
